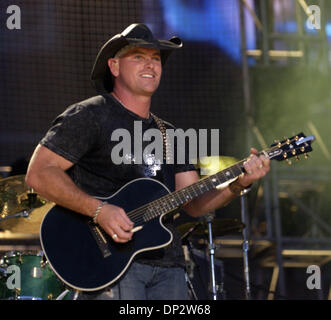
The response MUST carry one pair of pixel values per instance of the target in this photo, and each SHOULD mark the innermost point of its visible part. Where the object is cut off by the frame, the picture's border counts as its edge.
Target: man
(73, 162)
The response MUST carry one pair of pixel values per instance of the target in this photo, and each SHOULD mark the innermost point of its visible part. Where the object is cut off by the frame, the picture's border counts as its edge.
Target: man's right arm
(46, 175)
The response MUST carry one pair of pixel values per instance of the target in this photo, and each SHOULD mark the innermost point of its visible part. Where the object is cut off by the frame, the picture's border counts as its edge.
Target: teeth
(147, 76)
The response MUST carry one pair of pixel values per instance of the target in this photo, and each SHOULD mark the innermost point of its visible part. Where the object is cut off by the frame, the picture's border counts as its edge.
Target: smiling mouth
(149, 76)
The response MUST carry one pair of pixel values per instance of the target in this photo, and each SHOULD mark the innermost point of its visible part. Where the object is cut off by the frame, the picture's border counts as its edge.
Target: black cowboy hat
(137, 34)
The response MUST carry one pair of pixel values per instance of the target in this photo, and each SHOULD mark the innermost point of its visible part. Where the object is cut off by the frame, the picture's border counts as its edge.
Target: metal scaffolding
(283, 251)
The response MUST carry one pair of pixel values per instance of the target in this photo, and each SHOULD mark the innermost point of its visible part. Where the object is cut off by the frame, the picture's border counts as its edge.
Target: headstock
(291, 147)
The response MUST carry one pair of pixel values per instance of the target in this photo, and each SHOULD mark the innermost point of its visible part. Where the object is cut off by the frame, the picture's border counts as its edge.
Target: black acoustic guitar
(84, 257)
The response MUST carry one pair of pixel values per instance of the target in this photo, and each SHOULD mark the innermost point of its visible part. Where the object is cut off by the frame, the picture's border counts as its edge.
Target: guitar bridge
(100, 239)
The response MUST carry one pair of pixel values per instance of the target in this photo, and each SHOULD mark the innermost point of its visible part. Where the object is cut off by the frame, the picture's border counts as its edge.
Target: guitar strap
(168, 171)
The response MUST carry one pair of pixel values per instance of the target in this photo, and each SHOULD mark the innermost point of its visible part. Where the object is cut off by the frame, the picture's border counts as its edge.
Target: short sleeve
(185, 167)
(73, 133)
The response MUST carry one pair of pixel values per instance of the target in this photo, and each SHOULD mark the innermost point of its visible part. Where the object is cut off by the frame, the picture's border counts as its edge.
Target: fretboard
(172, 201)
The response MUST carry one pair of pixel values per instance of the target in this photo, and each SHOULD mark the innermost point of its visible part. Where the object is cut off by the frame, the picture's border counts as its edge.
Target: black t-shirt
(88, 132)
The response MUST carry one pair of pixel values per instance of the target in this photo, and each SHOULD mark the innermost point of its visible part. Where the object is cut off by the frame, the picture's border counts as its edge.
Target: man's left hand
(256, 167)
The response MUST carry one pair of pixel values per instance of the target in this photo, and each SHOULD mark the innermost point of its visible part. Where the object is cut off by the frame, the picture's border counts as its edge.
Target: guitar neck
(178, 198)
(208, 183)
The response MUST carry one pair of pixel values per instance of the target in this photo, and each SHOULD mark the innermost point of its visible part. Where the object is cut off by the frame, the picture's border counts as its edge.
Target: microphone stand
(186, 241)
(209, 217)
(244, 219)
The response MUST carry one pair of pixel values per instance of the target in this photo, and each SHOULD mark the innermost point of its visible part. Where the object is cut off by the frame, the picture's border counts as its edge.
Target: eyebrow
(137, 50)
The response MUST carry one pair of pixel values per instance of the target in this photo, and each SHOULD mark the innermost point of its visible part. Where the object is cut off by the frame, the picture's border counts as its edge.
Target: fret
(221, 177)
(232, 173)
(227, 174)
(210, 184)
(193, 186)
(179, 200)
(174, 202)
(187, 194)
(218, 179)
(180, 194)
(166, 204)
(156, 210)
(193, 194)
(160, 209)
(204, 181)
(238, 170)
(201, 187)
(215, 182)
(171, 201)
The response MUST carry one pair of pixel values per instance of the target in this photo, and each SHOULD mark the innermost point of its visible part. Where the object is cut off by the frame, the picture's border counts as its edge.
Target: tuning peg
(289, 162)
(302, 149)
(294, 152)
(279, 144)
(306, 156)
(284, 155)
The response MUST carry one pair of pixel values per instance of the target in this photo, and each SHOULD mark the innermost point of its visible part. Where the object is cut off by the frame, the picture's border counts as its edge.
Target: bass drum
(5, 293)
(28, 276)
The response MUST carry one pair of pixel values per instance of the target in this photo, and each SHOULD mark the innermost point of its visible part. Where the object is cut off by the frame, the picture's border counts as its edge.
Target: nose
(149, 62)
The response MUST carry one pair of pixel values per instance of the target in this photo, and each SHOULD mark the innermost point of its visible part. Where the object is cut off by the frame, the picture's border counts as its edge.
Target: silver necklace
(167, 154)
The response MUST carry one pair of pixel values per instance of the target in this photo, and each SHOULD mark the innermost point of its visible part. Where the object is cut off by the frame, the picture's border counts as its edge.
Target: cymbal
(21, 209)
(220, 227)
(214, 164)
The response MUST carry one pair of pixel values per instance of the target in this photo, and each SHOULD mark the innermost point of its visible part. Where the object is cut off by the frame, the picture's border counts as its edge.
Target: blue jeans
(144, 282)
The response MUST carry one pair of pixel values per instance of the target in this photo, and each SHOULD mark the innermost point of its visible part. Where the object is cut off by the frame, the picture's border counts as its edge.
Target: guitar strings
(141, 211)
(136, 213)
(161, 201)
(157, 204)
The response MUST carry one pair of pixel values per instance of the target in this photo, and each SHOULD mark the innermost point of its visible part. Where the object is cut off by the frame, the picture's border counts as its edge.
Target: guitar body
(73, 252)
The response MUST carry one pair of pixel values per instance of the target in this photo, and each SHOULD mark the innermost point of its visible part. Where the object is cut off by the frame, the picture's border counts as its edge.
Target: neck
(138, 104)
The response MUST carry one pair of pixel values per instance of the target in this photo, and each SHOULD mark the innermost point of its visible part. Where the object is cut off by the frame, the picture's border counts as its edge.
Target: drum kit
(26, 275)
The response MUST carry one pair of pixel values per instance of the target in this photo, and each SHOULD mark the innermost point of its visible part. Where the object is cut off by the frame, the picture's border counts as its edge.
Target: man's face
(138, 70)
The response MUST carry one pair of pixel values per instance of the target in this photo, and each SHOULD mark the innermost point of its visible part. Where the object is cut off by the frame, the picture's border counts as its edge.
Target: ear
(113, 65)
